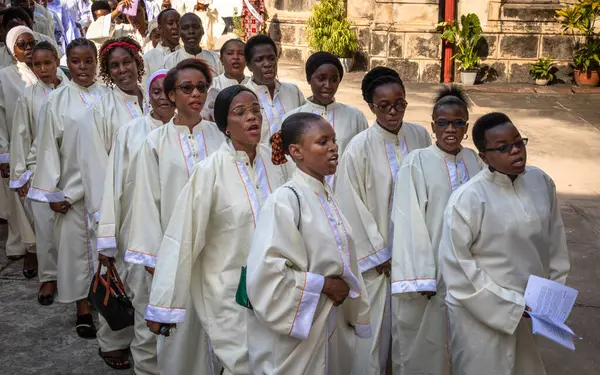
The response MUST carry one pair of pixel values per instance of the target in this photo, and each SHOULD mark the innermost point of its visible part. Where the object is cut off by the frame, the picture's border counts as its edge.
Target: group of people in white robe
(259, 232)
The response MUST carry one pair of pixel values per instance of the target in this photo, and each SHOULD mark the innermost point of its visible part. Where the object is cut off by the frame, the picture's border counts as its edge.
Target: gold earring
(466, 136)
(432, 135)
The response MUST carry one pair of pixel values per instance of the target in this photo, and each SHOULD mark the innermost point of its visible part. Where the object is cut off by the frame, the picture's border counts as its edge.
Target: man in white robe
(168, 26)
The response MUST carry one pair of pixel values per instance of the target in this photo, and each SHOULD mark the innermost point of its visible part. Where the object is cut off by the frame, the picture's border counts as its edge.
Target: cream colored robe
(496, 234)
(347, 122)
(115, 109)
(211, 58)
(6, 58)
(155, 60)
(286, 97)
(221, 82)
(364, 188)
(164, 164)
(423, 186)
(103, 28)
(113, 233)
(22, 166)
(48, 20)
(13, 81)
(207, 243)
(295, 329)
(58, 178)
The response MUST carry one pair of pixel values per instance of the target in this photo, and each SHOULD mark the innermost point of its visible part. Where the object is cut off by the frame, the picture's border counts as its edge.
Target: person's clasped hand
(336, 289)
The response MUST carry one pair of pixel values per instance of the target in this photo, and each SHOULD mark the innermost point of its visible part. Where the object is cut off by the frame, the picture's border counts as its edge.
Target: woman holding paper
(499, 228)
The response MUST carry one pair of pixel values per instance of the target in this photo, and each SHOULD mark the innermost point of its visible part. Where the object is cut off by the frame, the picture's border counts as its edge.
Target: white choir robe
(294, 328)
(22, 167)
(364, 187)
(6, 58)
(211, 58)
(115, 109)
(103, 28)
(222, 82)
(206, 244)
(113, 233)
(286, 97)
(155, 60)
(347, 121)
(422, 188)
(13, 81)
(496, 234)
(164, 164)
(58, 178)
(46, 25)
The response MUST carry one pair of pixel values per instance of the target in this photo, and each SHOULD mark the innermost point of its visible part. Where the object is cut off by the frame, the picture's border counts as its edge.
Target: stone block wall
(401, 34)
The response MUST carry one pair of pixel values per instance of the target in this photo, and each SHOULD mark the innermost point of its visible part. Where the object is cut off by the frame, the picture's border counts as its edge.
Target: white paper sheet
(550, 303)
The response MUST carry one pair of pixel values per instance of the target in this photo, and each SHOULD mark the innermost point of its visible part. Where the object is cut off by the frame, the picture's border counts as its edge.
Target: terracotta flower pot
(587, 79)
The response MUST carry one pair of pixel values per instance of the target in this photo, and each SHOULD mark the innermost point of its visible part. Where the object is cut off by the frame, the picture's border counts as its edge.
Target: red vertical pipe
(449, 15)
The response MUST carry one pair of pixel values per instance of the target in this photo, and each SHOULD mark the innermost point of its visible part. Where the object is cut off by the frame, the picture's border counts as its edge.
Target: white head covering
(14, 34)
(156, 75)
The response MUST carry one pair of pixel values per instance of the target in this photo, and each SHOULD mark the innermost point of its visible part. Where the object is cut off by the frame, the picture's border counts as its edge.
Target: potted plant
(579, 20)
(541, 71)
(465, 38)
(328, 30)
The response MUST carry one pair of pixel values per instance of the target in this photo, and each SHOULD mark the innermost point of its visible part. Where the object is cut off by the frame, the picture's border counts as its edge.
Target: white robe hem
(415, 285)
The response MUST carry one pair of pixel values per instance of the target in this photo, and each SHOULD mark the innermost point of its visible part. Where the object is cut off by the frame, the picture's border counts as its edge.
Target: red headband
(119, 44)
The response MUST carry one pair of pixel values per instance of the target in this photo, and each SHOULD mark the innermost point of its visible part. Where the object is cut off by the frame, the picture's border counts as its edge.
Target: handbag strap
(299, 206)
(97, 278)
(107, 295)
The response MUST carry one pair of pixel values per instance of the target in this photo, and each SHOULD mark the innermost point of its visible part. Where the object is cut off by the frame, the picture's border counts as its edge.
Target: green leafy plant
(465, 38)
(542, 69)
(329, 30)
(579, 20)
(238, 28)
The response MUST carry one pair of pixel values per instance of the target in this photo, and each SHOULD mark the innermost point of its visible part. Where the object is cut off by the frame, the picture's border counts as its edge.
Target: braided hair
(292, 130)
(451, 96)
(82, 42)
(128, 44)
(376, 77)
(45, 46)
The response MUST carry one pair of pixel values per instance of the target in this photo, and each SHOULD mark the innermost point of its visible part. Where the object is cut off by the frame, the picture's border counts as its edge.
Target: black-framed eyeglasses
(398, 106)
(256, 110)
(459, 123)
(188, 88)
(509, 146)
(23, 45)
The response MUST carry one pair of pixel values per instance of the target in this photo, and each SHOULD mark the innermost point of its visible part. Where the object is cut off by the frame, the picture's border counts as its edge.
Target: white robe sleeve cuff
(97, 216)
(106, 243)
(373, 260)
(164, 314)
(363, 331)
(45, 196)
(4, 158)
(137, 257)
(18, 183)
(414, 285)
(308, 305)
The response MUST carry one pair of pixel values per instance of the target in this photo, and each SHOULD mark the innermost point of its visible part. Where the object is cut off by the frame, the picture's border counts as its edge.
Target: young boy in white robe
(303, 280)
(121, 68)
(115, 220)
(364, 186)
(208, 239)
(501, 227)
(164, 165)
(22, 162)
(422, 188)
(276, 98)
(191, 32)
(324, 73)
(13, 81)
(168, 27)
(57, 178)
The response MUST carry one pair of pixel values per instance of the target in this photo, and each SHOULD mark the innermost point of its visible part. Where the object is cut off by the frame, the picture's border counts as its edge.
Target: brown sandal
(117, 359)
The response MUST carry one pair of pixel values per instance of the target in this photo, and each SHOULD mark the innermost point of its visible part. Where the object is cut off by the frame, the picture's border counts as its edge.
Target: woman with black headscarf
(208, 238)
(324, 74)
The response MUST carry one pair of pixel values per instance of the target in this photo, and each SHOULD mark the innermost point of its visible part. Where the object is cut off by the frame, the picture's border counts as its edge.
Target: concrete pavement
(564, 133)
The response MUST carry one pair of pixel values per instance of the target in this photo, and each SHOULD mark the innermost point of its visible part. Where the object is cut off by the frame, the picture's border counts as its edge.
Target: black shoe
(30, 274)
(45, 300)
(85, 326)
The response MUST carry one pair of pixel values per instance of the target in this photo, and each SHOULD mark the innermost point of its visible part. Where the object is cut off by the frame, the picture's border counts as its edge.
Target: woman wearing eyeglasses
(14, 79)
(424, 183)
(499, 228)
(364, 187)
(164, 165)
(208, 239)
